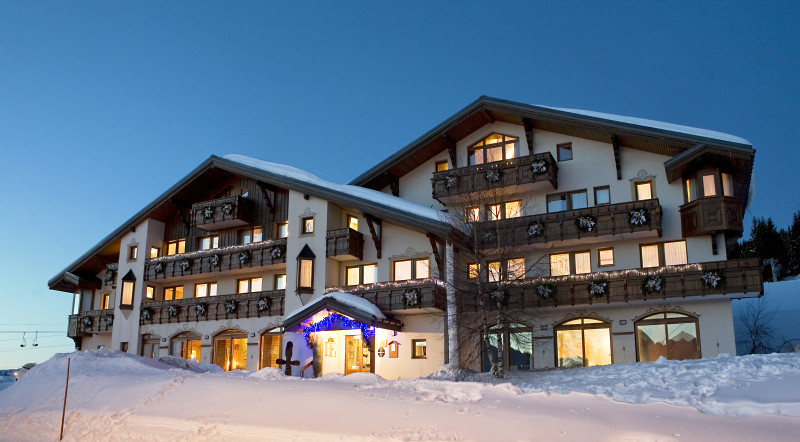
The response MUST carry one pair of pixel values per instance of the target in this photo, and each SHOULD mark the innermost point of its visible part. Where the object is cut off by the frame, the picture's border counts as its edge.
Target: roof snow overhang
(660, 138)
(332, 304)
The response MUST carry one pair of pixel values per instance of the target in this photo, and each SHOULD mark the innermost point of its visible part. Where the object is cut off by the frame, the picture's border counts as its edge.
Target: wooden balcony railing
(216, 260)
(212, 308)
(710, 215)
(221, 213)
(403, 295)
(517, 171)
(344, 243)
(740, 277)
(610, 219)
(90, 322)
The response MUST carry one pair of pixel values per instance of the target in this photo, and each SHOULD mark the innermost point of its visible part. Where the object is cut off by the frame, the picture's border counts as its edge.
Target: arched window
(583, 342)
(495, 147)
(517, 347)
(187, 346)
(672, 335)
(230, 350)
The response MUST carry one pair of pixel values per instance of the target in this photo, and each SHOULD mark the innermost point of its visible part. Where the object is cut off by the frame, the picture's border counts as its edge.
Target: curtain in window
(422, 269)
(306, 269)
(675, 253)
(650, 256)
(516, 269)
(579, 200)
(727, 184)
(559, 264)
(583, 263)
(644, 191)
(709, 186)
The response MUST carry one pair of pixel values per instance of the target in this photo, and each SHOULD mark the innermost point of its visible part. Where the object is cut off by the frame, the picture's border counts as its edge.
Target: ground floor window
(517, 347)
(149, 345)
(270, 349)
(583, 342)
(187, 346)
(230, 350)
(672, 335)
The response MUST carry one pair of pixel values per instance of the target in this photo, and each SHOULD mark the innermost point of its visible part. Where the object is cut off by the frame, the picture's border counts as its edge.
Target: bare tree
(756, 319)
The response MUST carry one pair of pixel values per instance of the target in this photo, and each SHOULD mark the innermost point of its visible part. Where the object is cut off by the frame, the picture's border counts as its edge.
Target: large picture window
(671, 335)
(411, 269)
(517, 344)
(363, 274)
(495, 147)
(583, 342)
(563, 264)
(664, 254)
(567, 201)
(177, 246)
(187, 346)
(230, 350)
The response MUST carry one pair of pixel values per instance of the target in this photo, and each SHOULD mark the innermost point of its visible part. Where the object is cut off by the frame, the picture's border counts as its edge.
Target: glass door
(357, 355)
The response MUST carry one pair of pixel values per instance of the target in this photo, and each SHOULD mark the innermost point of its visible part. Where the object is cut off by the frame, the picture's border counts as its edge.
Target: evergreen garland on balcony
(230, 306)
(539, 167)
(715, 279)
(586, 223)
(173, 310)
(653, 284)
(264, 304)
(200, 309)
(546, 291)
(598, 288)
(411, 298)
(146, 313)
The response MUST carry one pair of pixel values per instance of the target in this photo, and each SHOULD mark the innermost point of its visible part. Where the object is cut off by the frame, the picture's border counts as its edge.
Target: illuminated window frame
(476, 154)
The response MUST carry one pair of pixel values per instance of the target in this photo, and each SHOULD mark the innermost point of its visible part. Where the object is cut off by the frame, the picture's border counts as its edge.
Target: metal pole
(64, 410)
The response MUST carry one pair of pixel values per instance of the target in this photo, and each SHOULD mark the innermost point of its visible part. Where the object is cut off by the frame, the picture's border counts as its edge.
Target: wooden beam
(528, 133)
(451, 149)
(376, 233)
(186, 222)
(615, 143)
(488, 115)
(437, 245)
(265, 189)
(394, 183)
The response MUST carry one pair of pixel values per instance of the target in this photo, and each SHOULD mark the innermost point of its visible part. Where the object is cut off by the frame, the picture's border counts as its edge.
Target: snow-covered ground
(116, 396)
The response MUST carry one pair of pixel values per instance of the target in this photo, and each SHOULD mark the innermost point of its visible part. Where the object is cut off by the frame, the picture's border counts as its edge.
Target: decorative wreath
(200, 309)
(159, 268)
(173, 310)
(146, 313)
(244, 257)
(539, 167)
(586, 223)
(500, 296)
(715, 279)
(264, 304)
(535, 229)
(185, 265)
(639, 217)
(450, 181)
(278, 251)
(227, 208)
(653, 284)
(109, 320)
(208, 212)
(214, 261)
(546, 291)
(230, 306)
(493, 174)
(411, 298)
(598, 288)
(87, 321)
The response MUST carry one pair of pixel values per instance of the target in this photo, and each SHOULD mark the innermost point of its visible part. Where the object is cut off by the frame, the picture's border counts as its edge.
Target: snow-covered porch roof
(346, 304)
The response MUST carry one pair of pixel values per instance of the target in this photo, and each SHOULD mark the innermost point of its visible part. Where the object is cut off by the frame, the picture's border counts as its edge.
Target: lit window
(583, 342)
(306, 273)
(559, 264)
(177, 246)
(282, 229)
(104, 302)
(441, 166)
(563, 264)
(709, 185)
(249, 285)
(209, 242)
(650, 256)
(567, 201)
(494, 271)
(154, 252)
(411, 269)
(307, 225)
(668, 253)
(564, 151)
(473, 214)
(151, 292)
(495, 147)
(205, 289)
(513, 209)
(127, 293)
(256, 234)
(516, 268)
(583, 263)
(509, 209)
(602, 195)
(133, 253)
(727, 184)
(363, 274)
(472, 270)
(280, 282)
(171, 293)
(605, 257)
(352, 222)
(671, 335)
(419, 347)
(691, 189)
(644, 190)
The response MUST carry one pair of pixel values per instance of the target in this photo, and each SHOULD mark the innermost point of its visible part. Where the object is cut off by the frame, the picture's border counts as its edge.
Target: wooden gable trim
(394, 183)
(437, 245)
(376, 233)
(526, 122)
(265, 190)
(615, 144)
(451, 149)
(178, 203)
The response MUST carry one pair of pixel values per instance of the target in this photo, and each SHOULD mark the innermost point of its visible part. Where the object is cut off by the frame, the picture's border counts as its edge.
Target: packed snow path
(115, 396)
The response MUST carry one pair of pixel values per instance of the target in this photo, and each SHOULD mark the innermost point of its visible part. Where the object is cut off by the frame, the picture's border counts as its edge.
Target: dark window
(564, 151)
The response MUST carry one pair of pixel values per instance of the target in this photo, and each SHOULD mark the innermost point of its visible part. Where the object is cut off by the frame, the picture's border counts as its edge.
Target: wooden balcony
(514, 172)
(221, 213)
(90, 322)
(216, 308)
(610, 219)
(743, 277)
(711, 215)
(344, 244)
(388, 296)
(216, 260)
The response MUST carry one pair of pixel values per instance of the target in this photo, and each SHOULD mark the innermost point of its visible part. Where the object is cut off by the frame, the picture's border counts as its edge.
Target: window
(205, 289)
(605, 257)
(133, 253)
(187, 346)
(564, 151)
(249, 285)
(352, 222)
(76, 303)
(230, 350)
(363, 274)
(307, 225)
(171, 293)
(249, 236)
(567, 201)
(510, 209)
(473, 214)
(672, 335)
(512, 269)
(104, 301)
(664, 254)
(280, 282)
(518, 347)
(495, 147)
(419, 349)
(306, 273)
(154, 252)
(563, 264)
(727, 184)
(644, 190)
(282, 230)
(441, 166)
(411, 269)
(151, 292)
(472, 270)
(583, 342)
(690, 186)
(209, 242)
(127, 293)
(709, 184)
(270, 349)
(602, 195)
(176, 246)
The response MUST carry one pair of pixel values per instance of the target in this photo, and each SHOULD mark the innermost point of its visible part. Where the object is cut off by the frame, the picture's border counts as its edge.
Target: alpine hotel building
(605, 238)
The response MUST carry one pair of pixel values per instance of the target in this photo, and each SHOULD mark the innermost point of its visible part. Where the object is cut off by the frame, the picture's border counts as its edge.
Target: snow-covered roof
(688, 130)
(384, 199)
(347, 299)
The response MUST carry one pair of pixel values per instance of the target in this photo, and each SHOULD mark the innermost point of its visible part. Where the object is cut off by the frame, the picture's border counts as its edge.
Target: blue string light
(329, 322)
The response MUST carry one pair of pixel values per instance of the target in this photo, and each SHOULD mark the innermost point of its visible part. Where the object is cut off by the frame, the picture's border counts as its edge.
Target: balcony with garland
(400, 295)
(344, 244)
(245, 256)
(221, 213)
(90, 322)
(712, 214)
(531, 171)
(638, 219)
(741, 277)
(212, 308)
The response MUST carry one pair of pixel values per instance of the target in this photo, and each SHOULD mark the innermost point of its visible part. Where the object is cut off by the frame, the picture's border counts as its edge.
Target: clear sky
(105, 104)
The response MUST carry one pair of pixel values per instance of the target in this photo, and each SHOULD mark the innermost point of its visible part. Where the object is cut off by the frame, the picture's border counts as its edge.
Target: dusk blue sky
(104, 105)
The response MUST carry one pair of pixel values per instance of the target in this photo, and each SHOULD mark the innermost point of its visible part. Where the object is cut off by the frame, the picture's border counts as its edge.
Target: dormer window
(495, 147)
(707, 183)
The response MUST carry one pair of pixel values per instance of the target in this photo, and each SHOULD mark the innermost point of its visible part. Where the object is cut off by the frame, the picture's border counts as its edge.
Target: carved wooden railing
(90, 322)
(610, 219)
(212, 308)
(517, 171)
(401, 295)
(740, 276)
(221, 213)
(344, 242)
(710, 215)
(217, 260)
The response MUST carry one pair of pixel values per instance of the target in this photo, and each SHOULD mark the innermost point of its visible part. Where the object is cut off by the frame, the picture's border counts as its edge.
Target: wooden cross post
(288, 361)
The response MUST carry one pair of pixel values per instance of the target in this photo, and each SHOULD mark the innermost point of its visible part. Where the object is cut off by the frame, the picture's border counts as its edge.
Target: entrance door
(357, 355)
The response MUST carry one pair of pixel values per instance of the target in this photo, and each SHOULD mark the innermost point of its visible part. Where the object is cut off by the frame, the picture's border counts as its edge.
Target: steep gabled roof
(648, 135)
(373, 202)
